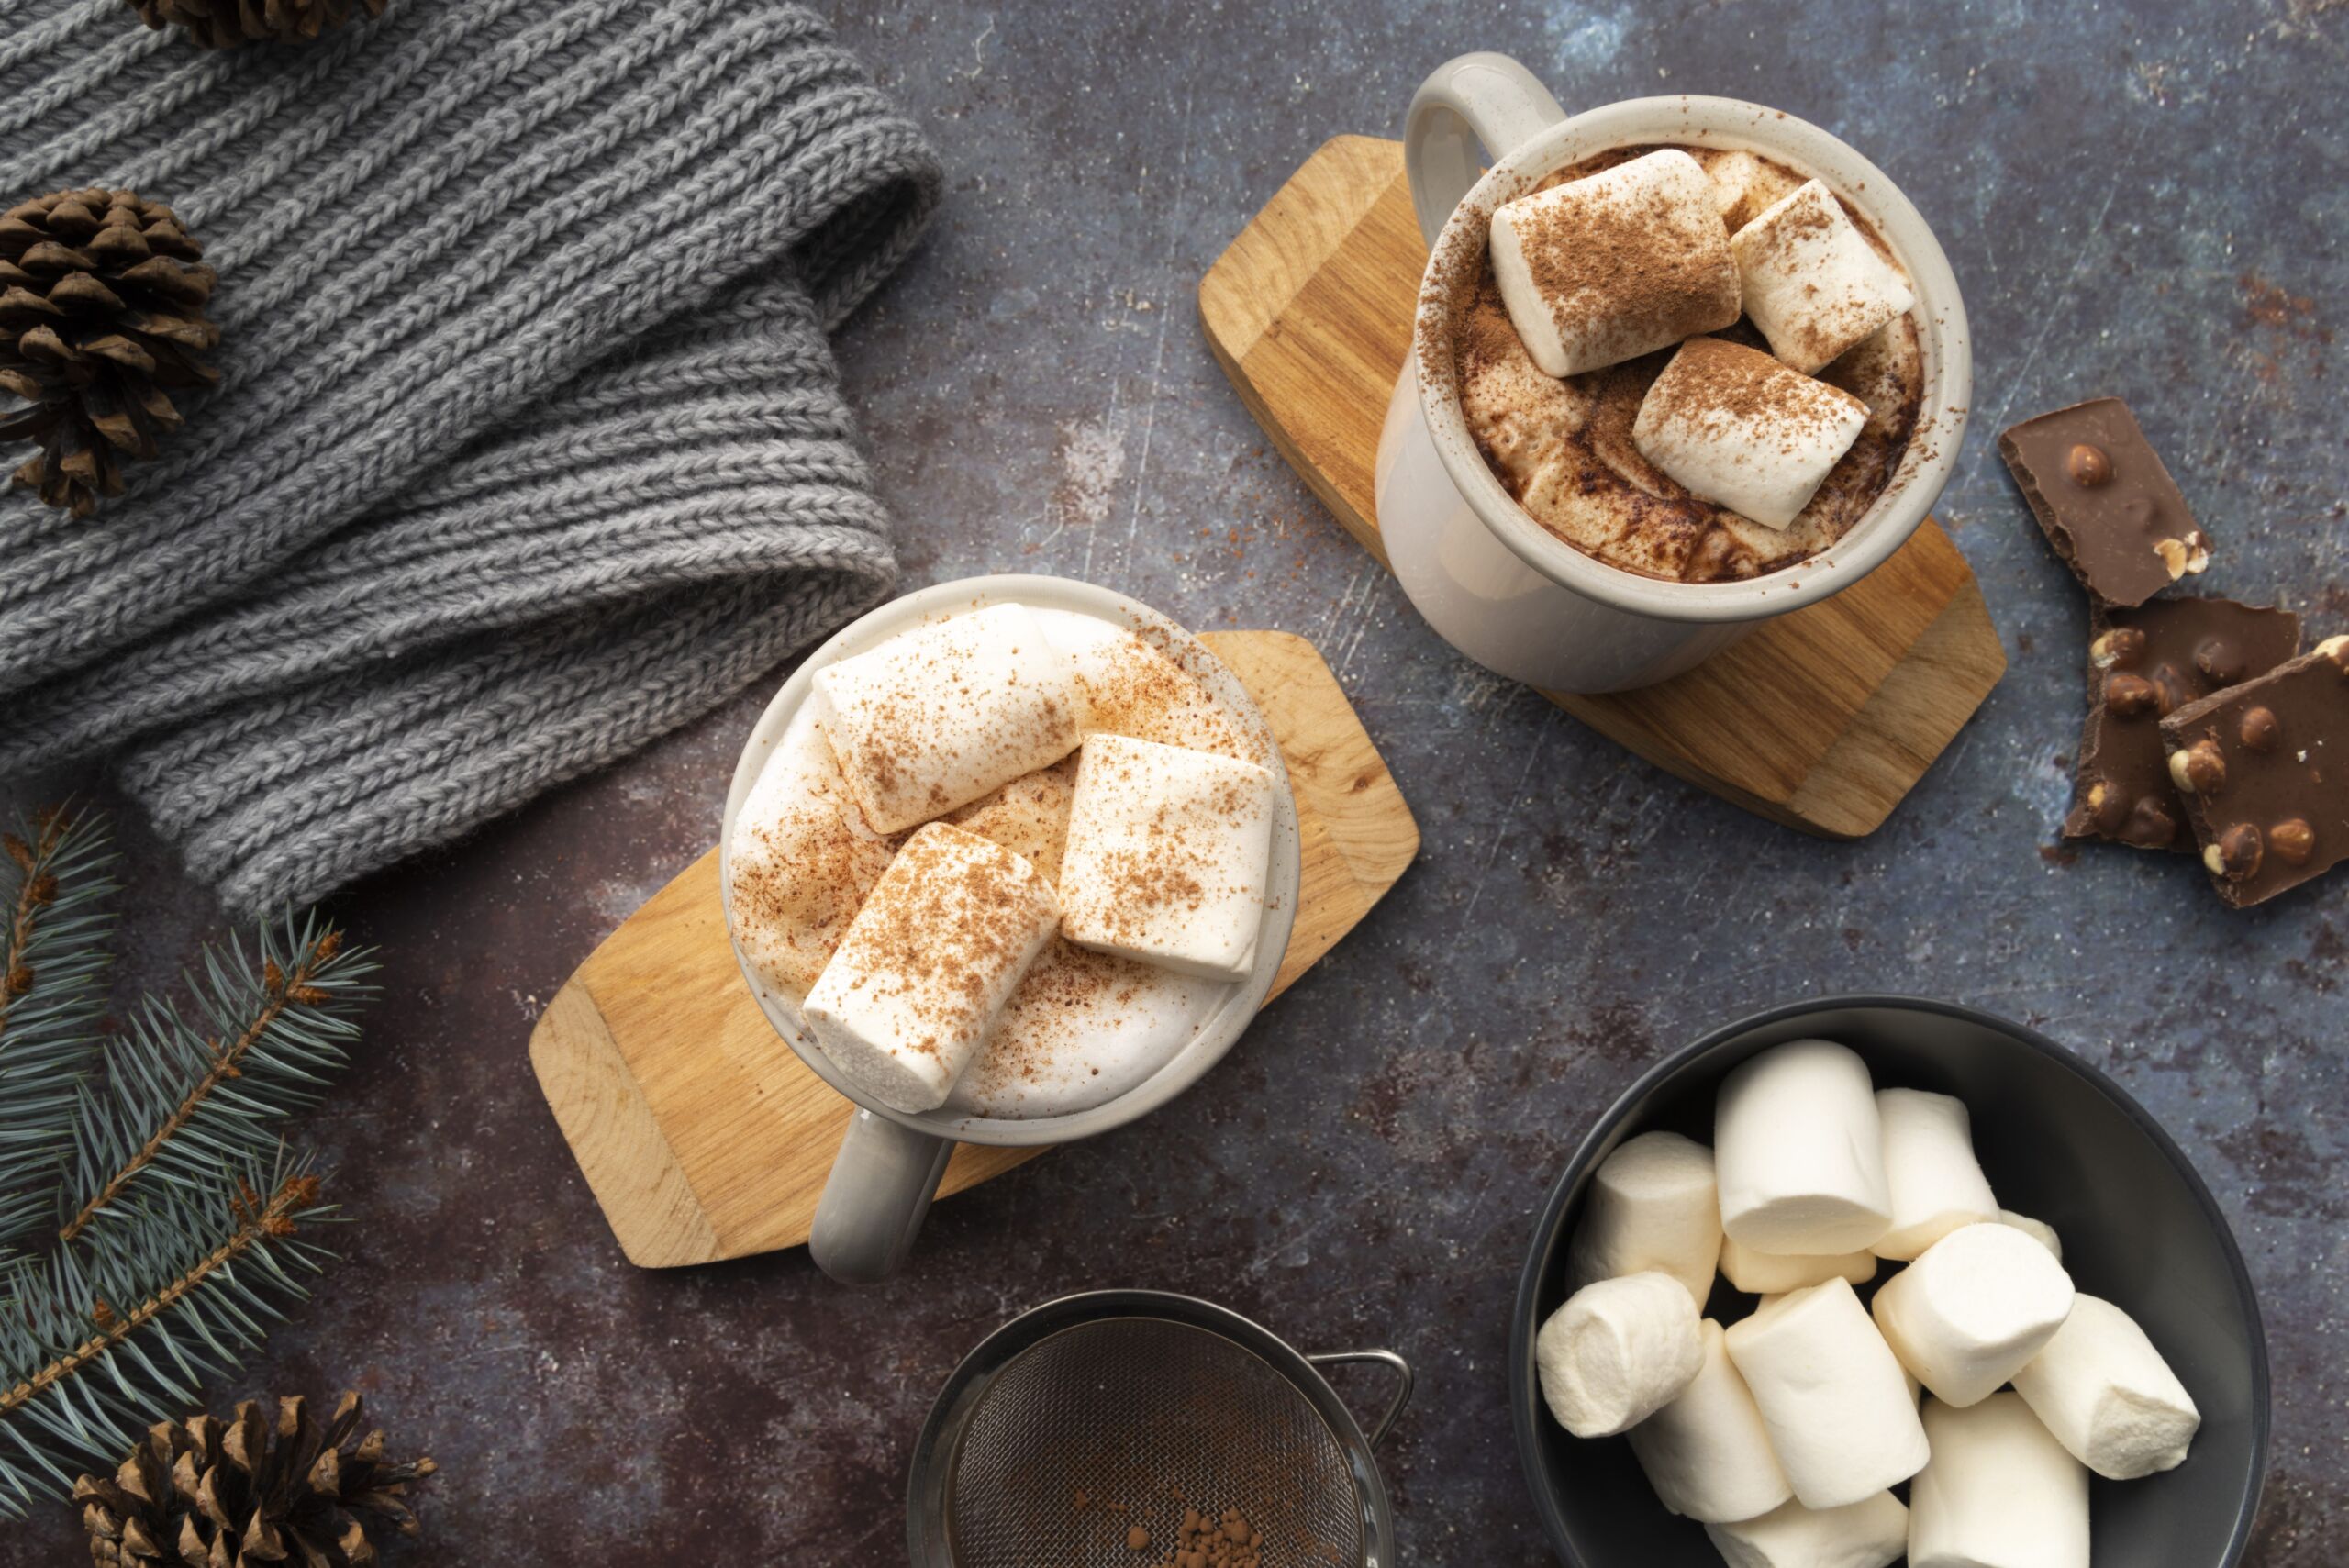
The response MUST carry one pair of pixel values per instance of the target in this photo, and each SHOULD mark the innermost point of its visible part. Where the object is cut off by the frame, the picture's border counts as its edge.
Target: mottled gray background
(2145, 199)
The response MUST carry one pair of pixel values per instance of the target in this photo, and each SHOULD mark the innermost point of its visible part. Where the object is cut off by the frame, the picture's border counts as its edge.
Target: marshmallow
(1831, 1393)
(935, 718)
(1743, 185)
(1028, 816)
(1811, 280)
(2108, 1397)
(2038, 1230)
(1775, 1274)
(1972, 1309)
(2000, 1491)
(800, 864)
(1870, 1533)
(1618, 1351)
(1652, 1205)
(1602, 270)
(1736, 427)
(1799, 1152)
(1707, 1452)
(1929, 1170)
(929, 961)
(1168, 851)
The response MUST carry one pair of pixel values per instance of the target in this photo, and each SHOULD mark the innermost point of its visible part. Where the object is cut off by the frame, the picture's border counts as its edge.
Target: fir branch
(180, 1097)
(104, 1340)
(54, 894)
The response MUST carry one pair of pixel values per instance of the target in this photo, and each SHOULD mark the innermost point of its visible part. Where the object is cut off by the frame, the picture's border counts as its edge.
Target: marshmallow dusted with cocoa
(1831, 1393)
(1616, 1351)
(1614, 265)
(2108, 1395)
(1811, 280)
(1972, 1309)
(1707, 1452)
(1798, 1151)
(1168, 852)
(1870, 1533)
(1999, 1491)
(930, 961)
(1652, 1205)
(1929, 1170)
(935, 718)
(1736, 427)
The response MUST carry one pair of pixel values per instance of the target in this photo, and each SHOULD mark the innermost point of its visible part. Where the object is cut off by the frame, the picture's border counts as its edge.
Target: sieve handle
(876, 1200)
(1392, 1363)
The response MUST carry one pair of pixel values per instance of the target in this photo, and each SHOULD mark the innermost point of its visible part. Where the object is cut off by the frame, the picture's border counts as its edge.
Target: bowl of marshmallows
(1875, 1279)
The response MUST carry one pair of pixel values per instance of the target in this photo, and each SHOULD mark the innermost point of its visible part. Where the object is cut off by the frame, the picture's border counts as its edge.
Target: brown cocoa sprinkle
(1632, 257)
(953, 913)
(1561, 449)
(806, 874)
(1224, 1541)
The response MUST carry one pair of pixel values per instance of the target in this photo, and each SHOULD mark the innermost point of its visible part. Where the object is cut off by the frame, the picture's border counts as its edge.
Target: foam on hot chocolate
(1563, 447)
(1082, 1028)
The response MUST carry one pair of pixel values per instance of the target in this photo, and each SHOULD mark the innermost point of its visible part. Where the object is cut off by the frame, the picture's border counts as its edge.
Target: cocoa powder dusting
(951, 916)
(1562, 449)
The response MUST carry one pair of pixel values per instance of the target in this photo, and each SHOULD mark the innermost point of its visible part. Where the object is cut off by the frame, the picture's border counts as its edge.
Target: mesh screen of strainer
(1126, 1421)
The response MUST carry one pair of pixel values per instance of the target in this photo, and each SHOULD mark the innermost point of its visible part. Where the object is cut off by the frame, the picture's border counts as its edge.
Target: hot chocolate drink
(937, 994)
(1643, 259)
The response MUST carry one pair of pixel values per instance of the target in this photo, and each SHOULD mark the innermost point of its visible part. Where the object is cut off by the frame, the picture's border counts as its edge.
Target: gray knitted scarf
(529, 444)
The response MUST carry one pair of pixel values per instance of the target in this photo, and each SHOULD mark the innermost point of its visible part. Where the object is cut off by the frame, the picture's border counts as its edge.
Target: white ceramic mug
(891, 1162)
(1493, 582)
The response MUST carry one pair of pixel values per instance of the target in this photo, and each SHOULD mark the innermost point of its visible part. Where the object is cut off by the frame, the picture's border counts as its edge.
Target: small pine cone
(235, 1493)
(224, 23)
(101, 319)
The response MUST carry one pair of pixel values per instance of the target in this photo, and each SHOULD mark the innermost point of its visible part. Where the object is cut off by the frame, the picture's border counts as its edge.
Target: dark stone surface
(2140, 199)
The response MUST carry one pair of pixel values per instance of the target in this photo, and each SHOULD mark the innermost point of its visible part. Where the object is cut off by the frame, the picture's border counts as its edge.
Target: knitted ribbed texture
(529, 444)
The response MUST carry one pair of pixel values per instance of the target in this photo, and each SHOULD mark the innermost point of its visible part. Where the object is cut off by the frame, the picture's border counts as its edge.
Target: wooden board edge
(1377, 860)
(1950, 668)
(1237, 315)
(570, 1047)
(1359, 527)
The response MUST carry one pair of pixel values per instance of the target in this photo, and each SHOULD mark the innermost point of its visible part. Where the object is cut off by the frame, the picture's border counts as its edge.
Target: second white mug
(1490, 579)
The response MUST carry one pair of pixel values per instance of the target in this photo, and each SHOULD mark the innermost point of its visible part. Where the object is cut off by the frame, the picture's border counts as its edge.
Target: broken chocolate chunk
(2143, 663)
(2105, 500)
(2277, 812)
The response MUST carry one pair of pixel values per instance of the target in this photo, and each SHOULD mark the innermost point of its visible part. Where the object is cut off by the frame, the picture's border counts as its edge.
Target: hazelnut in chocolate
(2105, 500)
(2264, 770)
(2145, 664)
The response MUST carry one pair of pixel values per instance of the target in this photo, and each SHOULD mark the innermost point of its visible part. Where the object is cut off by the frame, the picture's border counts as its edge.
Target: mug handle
(1483, 98)
(876, 1200)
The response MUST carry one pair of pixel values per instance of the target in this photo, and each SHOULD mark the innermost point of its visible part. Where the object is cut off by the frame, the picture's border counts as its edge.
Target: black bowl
(2061, 1142)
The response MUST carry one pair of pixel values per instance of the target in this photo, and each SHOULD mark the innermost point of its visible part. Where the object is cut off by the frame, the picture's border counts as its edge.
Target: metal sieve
(1088, 1417)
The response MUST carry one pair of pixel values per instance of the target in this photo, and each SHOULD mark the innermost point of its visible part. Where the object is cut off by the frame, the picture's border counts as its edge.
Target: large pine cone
(101, 316)
(224, 23)
(210, 1494)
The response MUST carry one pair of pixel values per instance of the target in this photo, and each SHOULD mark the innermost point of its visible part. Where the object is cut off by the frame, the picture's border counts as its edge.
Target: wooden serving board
(704, 1137)
(1821, 719)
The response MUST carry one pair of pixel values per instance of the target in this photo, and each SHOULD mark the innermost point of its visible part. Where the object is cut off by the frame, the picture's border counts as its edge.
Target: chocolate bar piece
(2105, 500)
(2263, 768)
(2145, 662)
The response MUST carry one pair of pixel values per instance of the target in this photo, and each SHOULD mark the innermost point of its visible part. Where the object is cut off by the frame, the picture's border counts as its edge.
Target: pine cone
(101, 316)
(224, 23)
(209, 1494)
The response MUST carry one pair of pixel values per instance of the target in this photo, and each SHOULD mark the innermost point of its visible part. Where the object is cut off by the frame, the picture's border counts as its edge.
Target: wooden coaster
(1822, 719)
(704, 1137)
